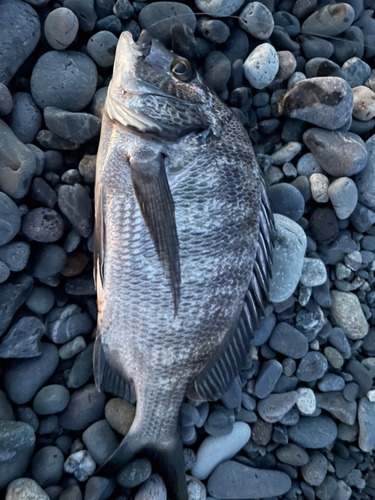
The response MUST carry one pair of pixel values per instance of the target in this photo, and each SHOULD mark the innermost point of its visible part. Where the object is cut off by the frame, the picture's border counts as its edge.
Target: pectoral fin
(152, 190)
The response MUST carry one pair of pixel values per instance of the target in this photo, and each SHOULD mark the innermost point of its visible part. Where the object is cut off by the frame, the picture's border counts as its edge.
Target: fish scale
(179, 216)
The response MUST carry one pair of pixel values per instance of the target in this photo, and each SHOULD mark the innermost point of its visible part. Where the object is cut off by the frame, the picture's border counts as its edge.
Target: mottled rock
(257, 20)
(65, 323)
(364, 103)
(25, 489)
(261, 66)
(134, 473)
(273, 408)
(23, 339)
(43, 224)
(346, 312)
(292, 454)
(288, 341)
(344, 196)
(219, 8)
(366, 420)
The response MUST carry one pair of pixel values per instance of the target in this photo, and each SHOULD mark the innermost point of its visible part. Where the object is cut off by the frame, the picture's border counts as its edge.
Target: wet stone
(44, 225)
(23, 339)
(60, 28)
(69, 90)
(47, 466)
(86, 406)
(134, 473)
(314, 432)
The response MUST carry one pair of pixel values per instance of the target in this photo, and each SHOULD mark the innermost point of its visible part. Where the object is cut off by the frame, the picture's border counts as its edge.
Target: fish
(182, 249)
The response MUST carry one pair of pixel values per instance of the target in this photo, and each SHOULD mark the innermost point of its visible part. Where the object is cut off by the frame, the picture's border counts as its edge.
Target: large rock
(17, 162)
(290, 246)
(19, 35)
(346, 312)
(235, 480)
(326, 102)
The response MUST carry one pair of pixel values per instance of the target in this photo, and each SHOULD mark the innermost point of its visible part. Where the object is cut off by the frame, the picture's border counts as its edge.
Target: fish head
(156, 91)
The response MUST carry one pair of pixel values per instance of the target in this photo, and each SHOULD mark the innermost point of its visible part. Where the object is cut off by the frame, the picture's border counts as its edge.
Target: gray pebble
(23, 339)
(288, 341)
(268, 376)
(71, 348)
(213, 30)
(15, 437)
(6, 101)
(25, 488)
(43, 224)
(263, 333)
(275, 406)
(292, 454)
(41, 300)
(41, 191)
(346, 312)
(87, 168)
(19, 164)
(356, 71)
(123, 9)
(362, 218)
(74, 127)
(331, 382)
(4, 272)
(217, 70)
(135, 473)
(47, 466)
(75, 204)
(86, 406)
(335, 403)
(49, 140)
(102, 47)
(6, 410)
(97, 102)
(110, 23)
(100, 440)
(261, 66)
(339, 153)
(366, 420)
(314, 432)
(19, 35)
(330, 20)
(65, 323)
(159, 18)
(232, 396)
(257, 20)
(85, 12)
(80, 464)
(82, 369)
(99, 488)
(13, 294)
(307, 166)
(312, 367)
(25, 119)
(365, 180)
(25, 377)
(325, 101)
(27, 415)
(51, 399)
(61, 28)
(70, 90)
(71, 493)
(219, 8)
(49, 260)
(334, 357)
(153, 489)
(313, 272)
(344, 196)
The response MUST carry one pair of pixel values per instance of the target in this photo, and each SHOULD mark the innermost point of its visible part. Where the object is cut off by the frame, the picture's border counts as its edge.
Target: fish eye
(182, 69)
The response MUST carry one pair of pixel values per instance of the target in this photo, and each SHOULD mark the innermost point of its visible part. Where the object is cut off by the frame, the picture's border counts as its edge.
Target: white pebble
(306, 402)
(215, 449)
(364, 103)
(319, 187)
(261, 66)
(371, 395)
(80, 464)
(314, 272)
(196, 489)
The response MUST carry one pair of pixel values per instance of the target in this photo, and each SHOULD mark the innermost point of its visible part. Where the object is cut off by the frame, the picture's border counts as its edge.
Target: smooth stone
(261, 66)
(273, 408)
(110, 23)
(362, 218)
(335, 403)
(307, 166)
(292, 454)
(14, 438)
(219, 8)
(74, 127)
(120, 415)
(344, 196)
(312, 367)
(324, 225)
(6, 410)
(81, 464)
(319, 187)
(230, 399)
(134, 473)
(287, 64)
(41, 191)
(75, 204)
(315, 471)
(214, 450)
(158, 19)
(23, 339)
(47, 466)
(286, 200)
(330, 20)
(60, 28)
(324, 101)
(235, 480)
(123, 9)
(338, 153)
(268, 376)
(286, 153)
(25, 119)
(313, 46)
(366, 420)
(85, 12)
(19, 35)
(263, 333)
(13, 294)
(154, 488)
(6, 101)
(25, 489)
(356, 71)
(100, 441)
(18, 165)
(82, 370)
(102, 47)
(322, 67)
(99, 488)
(23, 378)
(314, 432)
(87, 167)
(290, 246)
(65, 323)
(331, 382)
(213, 30)
(43, 224)
(69, 90)
(257, 20)
(49, 260)
(51, 399)
(346, 312)
(288, 341)
(41, 300)
(334, 357)
(313, 272)
(364, 103)
(365, 180)
(73, 347)
(306, 402)
(85, 407)
(48, 140)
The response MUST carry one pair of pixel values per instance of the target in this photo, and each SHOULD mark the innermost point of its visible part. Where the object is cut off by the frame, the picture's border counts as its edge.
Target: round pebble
(306, 401)
(364, 103)
(41, 300)
(330, 20)
(312, 367)
(61, 28)
(85, 407)
(120, 415)
(51, 399)
(261, 66)
(257, 20)
(25, 488)
(100, 441)
(102, 47)
(25, 119)
(43, 224)
(292, 454)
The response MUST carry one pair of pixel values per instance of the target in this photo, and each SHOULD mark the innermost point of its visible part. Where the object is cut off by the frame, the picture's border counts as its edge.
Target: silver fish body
(183, 229)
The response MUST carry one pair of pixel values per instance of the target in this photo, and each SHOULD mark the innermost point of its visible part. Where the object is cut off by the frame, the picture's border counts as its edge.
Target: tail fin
(167, 461)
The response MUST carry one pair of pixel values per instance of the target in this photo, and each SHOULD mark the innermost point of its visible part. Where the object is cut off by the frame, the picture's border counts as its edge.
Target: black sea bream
(183, 244)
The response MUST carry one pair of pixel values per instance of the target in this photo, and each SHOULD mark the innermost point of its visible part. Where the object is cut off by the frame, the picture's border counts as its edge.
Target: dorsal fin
(232, 354)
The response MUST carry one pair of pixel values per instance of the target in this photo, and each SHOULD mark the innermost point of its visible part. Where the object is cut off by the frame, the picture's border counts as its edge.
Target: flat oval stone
(290, 246)
(314, 432)
(275, 406)
(61, 28)
(326, 102)
(289, 341)
(335, 403)
(292, 454)
(134, 473)
(347, 313)
(330, 20)
(51, 399)
(249, 482)
(19, 35)
(339, 153)
(85, 407)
